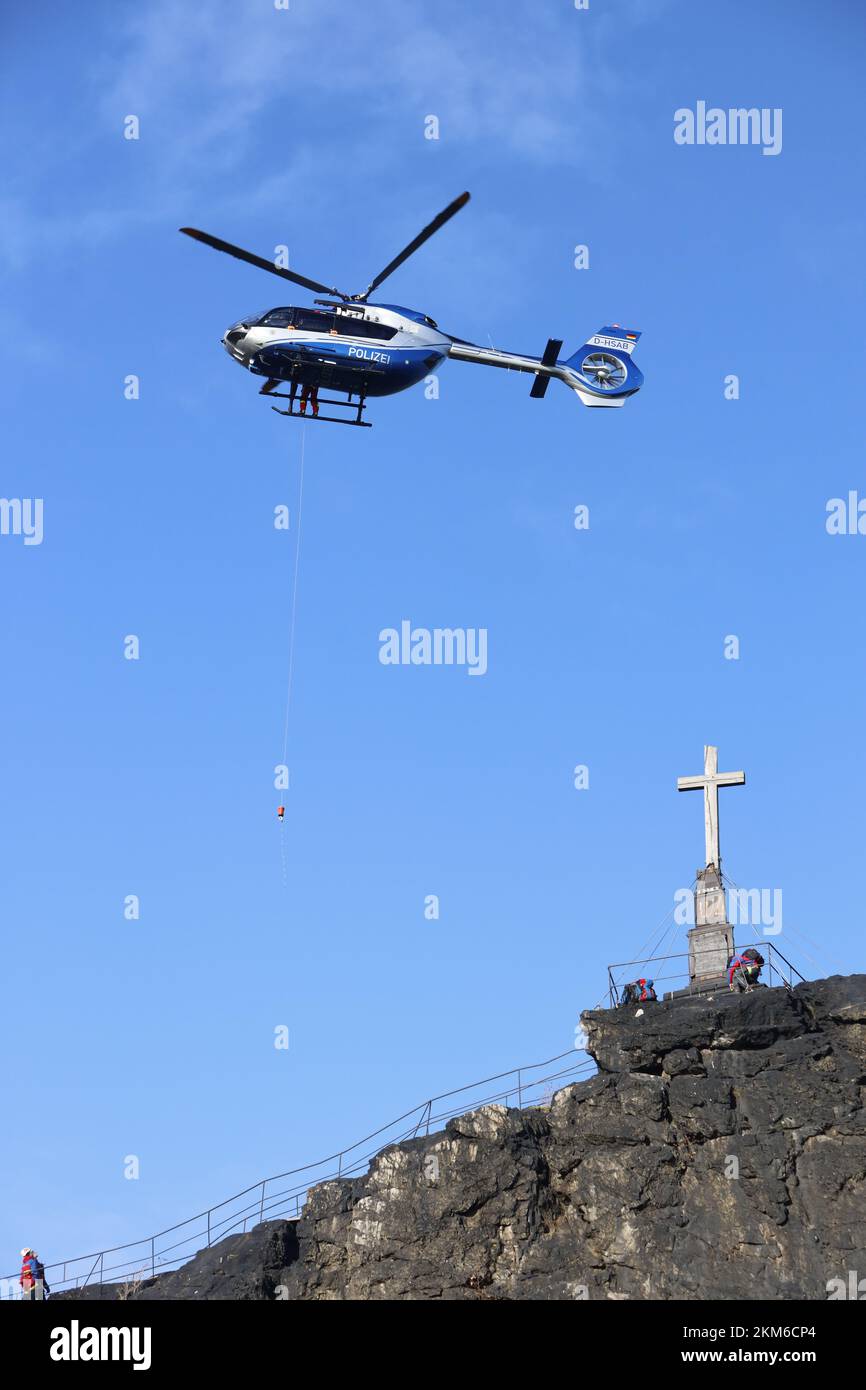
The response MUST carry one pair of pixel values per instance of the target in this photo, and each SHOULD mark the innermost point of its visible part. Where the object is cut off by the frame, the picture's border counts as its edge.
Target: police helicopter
(358, 349)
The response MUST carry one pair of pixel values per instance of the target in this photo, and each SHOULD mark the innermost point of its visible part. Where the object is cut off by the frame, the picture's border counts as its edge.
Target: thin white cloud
(469, 65)
(215, 83)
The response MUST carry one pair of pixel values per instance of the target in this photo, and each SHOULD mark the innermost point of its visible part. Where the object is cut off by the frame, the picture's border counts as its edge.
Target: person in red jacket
(32, 1277)
(311, 394)
(744, 969)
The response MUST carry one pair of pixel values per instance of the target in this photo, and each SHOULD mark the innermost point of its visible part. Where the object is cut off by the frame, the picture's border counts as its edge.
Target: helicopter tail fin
(602, 371)
(614, 338)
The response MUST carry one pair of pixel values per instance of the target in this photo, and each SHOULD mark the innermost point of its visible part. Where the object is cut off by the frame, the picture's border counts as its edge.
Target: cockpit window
(277, 318)
(320, 321)
(313, 320)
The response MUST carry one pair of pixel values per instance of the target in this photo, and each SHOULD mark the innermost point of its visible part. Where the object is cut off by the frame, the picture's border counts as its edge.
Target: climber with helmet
(32, 1277)
(744, 969)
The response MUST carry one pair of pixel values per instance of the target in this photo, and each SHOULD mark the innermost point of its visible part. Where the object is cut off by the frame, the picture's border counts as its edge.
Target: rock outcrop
(719, 1153)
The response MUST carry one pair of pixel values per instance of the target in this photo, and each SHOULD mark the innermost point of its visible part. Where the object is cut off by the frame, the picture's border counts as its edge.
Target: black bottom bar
(204, 1336)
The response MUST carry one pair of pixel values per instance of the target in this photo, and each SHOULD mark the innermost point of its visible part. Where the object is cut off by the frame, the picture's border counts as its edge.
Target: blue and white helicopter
(361, 349)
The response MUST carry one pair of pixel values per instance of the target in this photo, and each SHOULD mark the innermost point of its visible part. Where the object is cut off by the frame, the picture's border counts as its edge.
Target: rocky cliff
(719, 1153)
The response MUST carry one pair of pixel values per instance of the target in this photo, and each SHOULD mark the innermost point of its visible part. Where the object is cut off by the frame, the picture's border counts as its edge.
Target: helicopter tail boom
(601, 372)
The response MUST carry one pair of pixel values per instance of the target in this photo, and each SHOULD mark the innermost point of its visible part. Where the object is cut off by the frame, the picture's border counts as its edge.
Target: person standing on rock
(32, 1277)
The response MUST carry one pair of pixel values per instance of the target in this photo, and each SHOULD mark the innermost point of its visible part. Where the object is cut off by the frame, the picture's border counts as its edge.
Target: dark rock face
(719, 1153)
(238, 1268)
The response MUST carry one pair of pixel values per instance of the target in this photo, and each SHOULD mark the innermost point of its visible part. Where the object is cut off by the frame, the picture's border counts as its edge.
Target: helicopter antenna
(413, 246)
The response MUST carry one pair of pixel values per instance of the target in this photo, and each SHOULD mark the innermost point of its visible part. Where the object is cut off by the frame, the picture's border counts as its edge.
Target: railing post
(790, 969)
(101, 1267)
(519, 1091)
(153, 1256)
(208, 1228)
(429, 1113)
(262, 1204)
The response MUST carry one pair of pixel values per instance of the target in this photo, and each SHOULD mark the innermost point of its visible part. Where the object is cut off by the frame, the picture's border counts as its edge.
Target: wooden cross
(711, 781)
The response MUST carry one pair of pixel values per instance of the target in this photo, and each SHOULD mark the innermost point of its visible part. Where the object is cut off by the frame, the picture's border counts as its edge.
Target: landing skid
(297, 414)
(325, 419)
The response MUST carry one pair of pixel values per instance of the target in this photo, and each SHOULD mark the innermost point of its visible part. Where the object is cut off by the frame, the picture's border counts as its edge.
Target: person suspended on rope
(281, 811)
(744, 969)
(638, 992)
(311, 394)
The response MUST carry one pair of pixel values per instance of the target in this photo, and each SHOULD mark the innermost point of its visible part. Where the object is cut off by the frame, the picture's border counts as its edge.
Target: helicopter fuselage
(369, 349)
(350, 345)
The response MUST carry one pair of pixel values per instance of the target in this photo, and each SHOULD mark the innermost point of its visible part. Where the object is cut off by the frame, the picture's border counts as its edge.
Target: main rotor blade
(413, 245)
(259, 261)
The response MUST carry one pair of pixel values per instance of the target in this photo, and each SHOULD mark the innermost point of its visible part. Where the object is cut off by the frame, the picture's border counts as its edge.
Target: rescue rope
(292, 643)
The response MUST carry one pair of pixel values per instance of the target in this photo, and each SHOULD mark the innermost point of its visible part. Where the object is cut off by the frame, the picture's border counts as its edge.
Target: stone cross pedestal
(711, 939)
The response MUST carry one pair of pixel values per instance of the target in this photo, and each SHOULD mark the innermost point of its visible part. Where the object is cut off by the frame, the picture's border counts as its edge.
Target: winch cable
(292, 642)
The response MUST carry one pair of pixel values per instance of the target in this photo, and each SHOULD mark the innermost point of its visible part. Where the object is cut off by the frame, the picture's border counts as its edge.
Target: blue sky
(606, 647)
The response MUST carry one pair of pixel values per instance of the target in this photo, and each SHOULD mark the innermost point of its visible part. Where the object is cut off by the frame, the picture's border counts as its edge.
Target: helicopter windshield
(276, 318)
(322, 321)
(312, 320)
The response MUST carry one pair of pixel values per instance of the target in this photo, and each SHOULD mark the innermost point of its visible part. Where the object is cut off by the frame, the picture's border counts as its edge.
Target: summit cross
(710, 782)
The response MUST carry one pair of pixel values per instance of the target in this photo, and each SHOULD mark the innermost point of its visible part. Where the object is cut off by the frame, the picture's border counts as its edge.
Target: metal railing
(775, 963)
(284, 1194)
